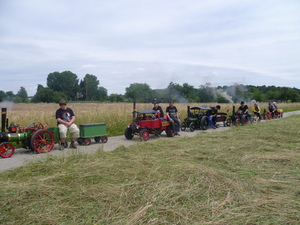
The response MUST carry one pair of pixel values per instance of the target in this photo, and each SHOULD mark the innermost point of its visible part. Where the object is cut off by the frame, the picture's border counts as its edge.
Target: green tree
(140, 92)
(22, 94)
(65, 82)
(2, 96)
(45, 94)
(116, 98)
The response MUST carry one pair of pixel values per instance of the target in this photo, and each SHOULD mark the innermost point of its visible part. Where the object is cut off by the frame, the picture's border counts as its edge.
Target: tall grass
(245, 175)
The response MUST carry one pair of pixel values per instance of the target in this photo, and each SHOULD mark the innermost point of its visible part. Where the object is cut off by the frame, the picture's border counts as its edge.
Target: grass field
(245, 175)
(116, 115)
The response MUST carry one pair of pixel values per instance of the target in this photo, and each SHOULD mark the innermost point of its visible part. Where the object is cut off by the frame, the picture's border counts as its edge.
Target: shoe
(213, 127)
(72, 145)
(62, 146)
(178, 134)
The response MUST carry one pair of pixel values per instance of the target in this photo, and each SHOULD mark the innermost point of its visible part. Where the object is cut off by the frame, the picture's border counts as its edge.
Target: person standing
(173, 116)
(65, 118)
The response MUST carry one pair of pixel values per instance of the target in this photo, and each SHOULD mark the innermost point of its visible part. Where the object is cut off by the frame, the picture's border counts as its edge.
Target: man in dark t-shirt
(65, 118)
(173, 116)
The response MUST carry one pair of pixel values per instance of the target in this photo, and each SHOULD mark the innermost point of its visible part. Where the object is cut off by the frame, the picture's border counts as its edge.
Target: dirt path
(23, 156)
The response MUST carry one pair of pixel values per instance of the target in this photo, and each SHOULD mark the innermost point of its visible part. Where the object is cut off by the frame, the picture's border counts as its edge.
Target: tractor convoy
(40, 139)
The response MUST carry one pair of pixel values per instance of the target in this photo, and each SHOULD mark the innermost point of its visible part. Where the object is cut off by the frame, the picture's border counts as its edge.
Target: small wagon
(222, 118)
(94, 130)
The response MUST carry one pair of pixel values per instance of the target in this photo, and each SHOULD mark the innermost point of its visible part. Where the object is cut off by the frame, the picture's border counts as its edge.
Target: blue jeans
(175, 127)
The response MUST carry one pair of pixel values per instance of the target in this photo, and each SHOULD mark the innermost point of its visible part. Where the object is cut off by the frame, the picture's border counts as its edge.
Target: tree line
(66, 85)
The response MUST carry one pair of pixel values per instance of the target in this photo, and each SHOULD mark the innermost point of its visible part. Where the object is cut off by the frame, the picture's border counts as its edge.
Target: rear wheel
(6, 150)
(204, 122)
(144, 133)
(192, 127)
(170, 132)
(42, 141)
(128, 133)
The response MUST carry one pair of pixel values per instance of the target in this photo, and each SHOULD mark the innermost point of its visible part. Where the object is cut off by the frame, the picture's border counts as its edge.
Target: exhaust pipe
(3, 119)
(134, 110)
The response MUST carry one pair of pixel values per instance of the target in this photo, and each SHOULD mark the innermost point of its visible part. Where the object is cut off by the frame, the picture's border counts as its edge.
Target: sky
(250, 42)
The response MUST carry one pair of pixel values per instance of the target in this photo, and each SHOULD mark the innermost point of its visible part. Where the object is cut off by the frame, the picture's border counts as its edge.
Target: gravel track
(23, 156)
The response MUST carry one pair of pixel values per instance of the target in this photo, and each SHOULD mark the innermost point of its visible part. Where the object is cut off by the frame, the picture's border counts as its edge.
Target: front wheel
(128, 133)
(144, 133)
(192, 127)
(42, 141)
(6, 150)
(183, 126)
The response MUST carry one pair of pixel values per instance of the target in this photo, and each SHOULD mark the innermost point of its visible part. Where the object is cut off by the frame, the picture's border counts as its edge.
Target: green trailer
(93, 130)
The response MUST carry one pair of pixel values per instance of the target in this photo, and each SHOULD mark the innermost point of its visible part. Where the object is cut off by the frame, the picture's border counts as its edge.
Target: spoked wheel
(6, 150)
(104, 139)
(42, 141)
(144, 133)
(192, 127)
(183, 126)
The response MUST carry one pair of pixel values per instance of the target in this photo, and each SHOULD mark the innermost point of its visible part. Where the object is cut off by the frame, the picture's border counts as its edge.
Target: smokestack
(134, 109)
(233, 109)
(188, 110)
(3, 119)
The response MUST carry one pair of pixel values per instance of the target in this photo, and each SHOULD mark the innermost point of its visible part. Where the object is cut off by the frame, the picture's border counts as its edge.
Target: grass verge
(245, 175)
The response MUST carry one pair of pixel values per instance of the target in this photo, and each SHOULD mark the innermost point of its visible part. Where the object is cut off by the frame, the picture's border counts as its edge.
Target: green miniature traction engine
(39, 139)
(34, 137)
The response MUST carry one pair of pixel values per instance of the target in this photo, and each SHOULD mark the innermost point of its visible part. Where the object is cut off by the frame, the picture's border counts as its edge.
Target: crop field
(116, 115)
(244, 175)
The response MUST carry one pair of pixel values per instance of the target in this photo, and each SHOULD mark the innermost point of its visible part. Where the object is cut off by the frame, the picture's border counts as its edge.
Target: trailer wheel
(144, 133)
(128, 133)
(80, 141)
(6, 150)
(192, 127)
(87, 141)
(42, 141)
(104, 139)
(97, 139)
(183, 126)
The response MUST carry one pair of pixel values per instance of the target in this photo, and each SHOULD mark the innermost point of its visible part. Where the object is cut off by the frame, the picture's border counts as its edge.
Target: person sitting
(211, 114)
(256, 111)
(173, 116)
(158, 109)
(243, 109)
(271, 110)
